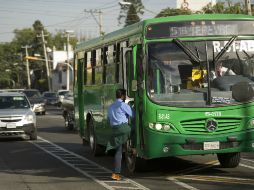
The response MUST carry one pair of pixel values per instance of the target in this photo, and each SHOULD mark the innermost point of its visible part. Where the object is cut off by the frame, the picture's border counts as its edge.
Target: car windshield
(50, 95)
(32, 94)
(13, 102)
(63, 92)
(188, 74)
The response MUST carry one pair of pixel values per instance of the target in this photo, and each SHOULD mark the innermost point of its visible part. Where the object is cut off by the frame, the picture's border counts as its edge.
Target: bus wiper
(222, 52)
(186, 50)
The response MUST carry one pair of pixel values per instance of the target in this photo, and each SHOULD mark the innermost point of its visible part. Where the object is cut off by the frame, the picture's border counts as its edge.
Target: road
(59, 161)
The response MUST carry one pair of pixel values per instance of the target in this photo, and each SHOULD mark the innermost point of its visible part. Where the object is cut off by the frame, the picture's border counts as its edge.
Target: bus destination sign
(199, 28)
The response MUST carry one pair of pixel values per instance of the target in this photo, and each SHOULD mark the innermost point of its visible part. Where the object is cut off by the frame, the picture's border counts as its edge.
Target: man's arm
(127, 110)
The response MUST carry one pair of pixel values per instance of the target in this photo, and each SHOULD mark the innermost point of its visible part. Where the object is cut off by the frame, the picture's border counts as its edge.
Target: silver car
(16, 116)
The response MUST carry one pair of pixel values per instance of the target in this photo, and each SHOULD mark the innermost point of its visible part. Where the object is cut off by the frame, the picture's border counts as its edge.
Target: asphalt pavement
(58, 160)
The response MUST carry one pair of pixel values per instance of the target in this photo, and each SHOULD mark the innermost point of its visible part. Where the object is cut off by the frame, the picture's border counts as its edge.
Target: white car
(60, 95)
(16, 116)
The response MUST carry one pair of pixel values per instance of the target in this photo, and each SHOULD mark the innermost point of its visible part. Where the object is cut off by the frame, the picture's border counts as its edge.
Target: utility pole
(27, 66)
(99, 22)
(248, 7)
(46, 59)
(68, 32)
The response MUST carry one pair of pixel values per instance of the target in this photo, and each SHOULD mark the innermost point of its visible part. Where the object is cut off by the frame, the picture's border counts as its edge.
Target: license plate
(212, 145)
(11, 125)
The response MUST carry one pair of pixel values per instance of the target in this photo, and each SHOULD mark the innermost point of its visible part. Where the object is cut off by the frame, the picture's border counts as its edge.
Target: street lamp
(124, 3)
(68, 32)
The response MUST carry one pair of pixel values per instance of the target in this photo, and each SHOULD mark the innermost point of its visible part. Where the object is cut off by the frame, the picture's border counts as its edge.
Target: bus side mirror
(134, 85)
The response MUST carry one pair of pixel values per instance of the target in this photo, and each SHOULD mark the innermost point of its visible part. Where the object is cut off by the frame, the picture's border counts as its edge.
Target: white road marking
(86, 167)
(247, 166)
(186, 186)
(248, 160)
(190, 170)
(217, 179)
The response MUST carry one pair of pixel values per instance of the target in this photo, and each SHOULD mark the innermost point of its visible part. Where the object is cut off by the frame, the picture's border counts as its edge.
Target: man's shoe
(116, 177)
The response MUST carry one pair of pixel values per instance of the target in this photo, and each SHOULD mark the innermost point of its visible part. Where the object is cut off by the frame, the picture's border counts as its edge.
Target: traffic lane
(23, 166)
(51, 127)
(215, 177)
(158, 170)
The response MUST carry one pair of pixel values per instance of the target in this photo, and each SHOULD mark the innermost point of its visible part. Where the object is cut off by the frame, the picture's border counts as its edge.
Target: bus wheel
(133, 163)
(229, 160)
(95, 148)
(67, 122)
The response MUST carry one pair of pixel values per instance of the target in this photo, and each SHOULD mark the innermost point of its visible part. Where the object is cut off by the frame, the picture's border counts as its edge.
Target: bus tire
(67, 122)
(134, 163)
(96, 149)
(229, 160)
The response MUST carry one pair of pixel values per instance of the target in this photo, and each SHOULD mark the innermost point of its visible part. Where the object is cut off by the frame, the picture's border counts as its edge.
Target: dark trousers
(118, 159)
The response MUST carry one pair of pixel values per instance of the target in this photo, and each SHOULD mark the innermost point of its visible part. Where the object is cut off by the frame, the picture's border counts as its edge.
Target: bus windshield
(179, 71)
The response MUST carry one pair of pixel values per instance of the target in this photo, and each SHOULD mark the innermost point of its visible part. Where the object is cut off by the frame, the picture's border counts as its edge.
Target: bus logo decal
(211, 125)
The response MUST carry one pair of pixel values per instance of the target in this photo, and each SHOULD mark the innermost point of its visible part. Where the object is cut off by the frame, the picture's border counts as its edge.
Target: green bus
(189, 79)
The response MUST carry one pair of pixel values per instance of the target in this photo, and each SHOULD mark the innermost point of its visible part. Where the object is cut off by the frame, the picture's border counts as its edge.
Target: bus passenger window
(110, 66)
(89, 69)
(98, 67)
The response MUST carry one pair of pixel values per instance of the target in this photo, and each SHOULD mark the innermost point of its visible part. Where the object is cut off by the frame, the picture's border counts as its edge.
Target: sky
(60, 15)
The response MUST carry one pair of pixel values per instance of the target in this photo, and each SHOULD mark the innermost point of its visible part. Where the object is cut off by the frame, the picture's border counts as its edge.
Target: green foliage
(130, 13)
(172, 12)
(132, 16)
(218, 8)
(12, 56)
(223, 8)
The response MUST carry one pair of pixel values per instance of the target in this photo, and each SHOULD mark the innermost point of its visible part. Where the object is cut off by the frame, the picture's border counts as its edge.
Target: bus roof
(137, 28)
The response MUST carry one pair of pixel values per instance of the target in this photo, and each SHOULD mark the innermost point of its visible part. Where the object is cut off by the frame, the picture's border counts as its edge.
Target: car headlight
(29, 118)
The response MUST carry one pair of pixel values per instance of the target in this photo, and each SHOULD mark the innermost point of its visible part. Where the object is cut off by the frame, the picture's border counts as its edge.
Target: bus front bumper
(168, 144)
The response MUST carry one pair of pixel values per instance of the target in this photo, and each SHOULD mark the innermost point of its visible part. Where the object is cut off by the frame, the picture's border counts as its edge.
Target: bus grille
(198, 126)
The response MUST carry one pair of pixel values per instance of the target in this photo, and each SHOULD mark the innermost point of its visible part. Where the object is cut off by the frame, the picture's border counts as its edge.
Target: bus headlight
(158, 126)
(161, 127)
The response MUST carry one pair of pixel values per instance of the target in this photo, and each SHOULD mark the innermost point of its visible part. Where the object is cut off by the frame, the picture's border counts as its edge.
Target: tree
(130, 12)
(223, 8)
(172, 12)
(12, 55)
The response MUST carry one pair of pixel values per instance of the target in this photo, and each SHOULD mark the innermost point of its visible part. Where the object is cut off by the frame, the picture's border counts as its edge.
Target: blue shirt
(119, 112)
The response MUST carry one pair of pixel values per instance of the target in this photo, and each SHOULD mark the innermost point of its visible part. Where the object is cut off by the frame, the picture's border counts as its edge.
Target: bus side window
(89, 69)
(85, 69)
(110, 67)
(105, 62)
(93, 60)
(117, 52)
(98, 67)
(139, 67)
(79, 59)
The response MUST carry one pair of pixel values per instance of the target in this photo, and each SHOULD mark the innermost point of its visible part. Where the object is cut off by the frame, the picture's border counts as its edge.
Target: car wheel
(229, 160)
(33, 135)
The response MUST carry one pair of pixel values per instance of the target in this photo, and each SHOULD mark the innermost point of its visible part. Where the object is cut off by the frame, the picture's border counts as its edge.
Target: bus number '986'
(213, 114)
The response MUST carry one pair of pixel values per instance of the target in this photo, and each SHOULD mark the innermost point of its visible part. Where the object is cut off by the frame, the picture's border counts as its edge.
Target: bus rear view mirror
(134, 85)
(242, 92)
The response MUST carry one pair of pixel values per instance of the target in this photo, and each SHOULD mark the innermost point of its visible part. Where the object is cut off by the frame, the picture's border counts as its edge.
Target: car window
(32, 94)
(63, 92)
(13, 102)
(50, 95)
